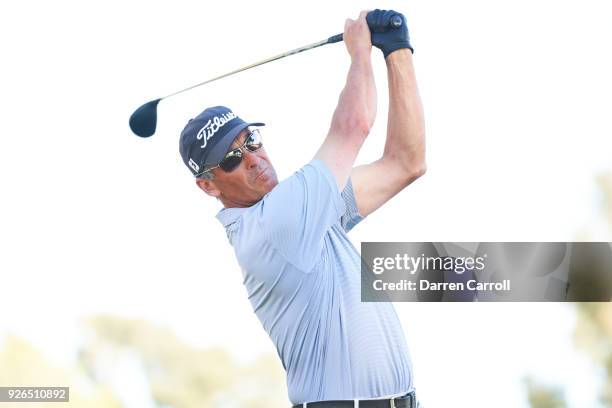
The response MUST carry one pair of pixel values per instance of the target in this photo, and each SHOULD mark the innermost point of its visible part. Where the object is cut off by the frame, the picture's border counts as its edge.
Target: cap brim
(220, 150)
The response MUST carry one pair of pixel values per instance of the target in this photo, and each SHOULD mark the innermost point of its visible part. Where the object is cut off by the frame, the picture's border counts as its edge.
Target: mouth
(261, 173)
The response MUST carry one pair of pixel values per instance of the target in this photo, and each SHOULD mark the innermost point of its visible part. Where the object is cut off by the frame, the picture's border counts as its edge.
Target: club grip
(334, 38)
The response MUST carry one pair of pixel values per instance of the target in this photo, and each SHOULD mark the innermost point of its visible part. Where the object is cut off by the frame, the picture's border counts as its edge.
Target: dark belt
(405, 401)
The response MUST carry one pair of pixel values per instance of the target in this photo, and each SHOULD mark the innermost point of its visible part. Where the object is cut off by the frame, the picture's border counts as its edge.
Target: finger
(363, 14)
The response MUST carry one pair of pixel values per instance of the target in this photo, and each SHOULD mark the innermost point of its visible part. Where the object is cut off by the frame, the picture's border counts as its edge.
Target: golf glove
(386, 37)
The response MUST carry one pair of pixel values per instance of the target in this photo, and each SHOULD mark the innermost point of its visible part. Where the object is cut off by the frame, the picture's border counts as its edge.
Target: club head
(144, 119)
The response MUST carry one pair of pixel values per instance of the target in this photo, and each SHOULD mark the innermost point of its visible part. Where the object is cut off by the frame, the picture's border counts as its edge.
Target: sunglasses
(233, 158)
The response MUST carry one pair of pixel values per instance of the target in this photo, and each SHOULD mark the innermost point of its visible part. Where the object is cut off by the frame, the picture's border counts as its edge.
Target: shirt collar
(228, 216)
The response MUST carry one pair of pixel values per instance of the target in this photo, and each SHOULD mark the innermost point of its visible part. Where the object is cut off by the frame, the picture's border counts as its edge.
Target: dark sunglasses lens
(231, 161)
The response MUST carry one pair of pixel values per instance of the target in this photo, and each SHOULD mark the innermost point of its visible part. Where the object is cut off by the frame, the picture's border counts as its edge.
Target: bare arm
(403, 160)
(356, 108)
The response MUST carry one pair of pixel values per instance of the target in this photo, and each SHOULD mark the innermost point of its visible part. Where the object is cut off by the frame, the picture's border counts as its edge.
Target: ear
(209, 187)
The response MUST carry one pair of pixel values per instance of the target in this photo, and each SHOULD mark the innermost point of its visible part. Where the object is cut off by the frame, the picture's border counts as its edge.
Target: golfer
(301, 272)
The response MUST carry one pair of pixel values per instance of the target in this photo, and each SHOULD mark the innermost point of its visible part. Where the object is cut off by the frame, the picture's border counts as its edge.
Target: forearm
(351, 122)
(356, 108)
(405, 144)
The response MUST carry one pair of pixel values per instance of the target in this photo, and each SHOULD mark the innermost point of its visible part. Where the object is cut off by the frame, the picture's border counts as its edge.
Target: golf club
(143, 121)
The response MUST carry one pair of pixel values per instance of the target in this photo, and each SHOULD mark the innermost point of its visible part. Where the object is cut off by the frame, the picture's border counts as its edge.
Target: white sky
(94, 219)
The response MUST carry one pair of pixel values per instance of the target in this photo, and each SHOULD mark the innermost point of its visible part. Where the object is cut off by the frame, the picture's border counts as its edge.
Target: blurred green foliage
(174, 374)
(183, 376)
(22, 365)
(593, 333)
(541, 396)
(594, 336)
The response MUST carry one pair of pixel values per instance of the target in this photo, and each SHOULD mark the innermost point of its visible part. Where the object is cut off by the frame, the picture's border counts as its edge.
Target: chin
(269, 185)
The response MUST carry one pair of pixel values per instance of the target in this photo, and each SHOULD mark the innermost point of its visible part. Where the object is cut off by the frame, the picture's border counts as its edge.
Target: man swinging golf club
(301, 272)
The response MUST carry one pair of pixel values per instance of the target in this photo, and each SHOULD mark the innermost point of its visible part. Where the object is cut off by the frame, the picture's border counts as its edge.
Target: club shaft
(330, 40)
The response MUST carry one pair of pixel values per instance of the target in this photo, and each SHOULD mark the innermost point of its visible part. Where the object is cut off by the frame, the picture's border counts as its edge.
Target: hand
(386, 37)
(357, 37)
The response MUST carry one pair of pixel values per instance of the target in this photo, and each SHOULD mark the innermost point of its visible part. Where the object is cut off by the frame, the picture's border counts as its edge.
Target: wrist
(399, 57)
(362, 56)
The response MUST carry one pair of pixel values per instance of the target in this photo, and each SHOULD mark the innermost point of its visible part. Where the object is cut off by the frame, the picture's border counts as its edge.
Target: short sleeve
(351, 216)
(298, 213)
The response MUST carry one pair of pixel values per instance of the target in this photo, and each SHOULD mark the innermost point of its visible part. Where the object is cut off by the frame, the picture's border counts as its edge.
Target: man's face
(246, 184)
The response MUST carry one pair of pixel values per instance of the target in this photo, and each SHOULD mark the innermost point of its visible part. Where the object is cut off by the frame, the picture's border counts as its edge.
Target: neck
(229, 203)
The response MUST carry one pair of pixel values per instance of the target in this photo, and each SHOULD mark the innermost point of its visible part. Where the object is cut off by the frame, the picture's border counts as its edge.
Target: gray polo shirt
(302, 276)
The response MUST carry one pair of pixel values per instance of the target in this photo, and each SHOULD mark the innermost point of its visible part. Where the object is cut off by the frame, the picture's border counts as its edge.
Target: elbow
(411, 170)
(416, 166)
(409, 167)
(355, 120)
(362, 126)
(415, 172)
(419, 171)
(359, 124)
(356, 126)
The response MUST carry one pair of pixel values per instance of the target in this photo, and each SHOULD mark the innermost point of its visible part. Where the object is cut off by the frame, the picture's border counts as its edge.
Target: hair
(205, 174)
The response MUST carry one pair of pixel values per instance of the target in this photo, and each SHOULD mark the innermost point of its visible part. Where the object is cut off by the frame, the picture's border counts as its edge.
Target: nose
(250, 159)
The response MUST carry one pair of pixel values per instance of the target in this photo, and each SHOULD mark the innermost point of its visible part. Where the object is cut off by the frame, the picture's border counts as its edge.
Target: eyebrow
(238, 142)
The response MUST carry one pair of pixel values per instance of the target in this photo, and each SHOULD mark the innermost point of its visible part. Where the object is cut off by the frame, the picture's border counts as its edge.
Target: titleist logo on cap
(213, 125)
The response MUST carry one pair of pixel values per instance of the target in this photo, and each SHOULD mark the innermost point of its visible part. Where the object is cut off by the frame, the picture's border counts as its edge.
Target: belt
(405, 401)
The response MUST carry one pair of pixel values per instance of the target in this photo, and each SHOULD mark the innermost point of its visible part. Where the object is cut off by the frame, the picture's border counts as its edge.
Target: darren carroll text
(424, 284)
